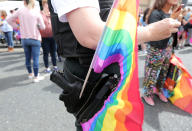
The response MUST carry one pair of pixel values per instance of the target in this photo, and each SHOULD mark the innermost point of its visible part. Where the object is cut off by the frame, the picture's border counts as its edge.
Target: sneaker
(38, 78)
(12, 49)
(149, 100)
(55, 68)
(162, 97)
(30, 76)
(187, 45)
(48, 70)
(9, 49)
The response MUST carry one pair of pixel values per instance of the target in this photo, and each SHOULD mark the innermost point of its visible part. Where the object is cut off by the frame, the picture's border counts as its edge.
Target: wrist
(148, 33)
(144, 34)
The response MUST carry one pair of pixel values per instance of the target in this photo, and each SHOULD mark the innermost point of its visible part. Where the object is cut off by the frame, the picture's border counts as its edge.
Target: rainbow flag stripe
(182, 97)
(123, 110)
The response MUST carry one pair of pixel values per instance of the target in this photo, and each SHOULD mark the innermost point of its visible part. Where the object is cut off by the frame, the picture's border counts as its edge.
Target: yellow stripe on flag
(177, 93)
(123, 20)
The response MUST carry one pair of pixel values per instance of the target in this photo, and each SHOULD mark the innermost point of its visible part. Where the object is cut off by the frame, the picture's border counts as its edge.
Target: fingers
(174, 30)
(175, 23)
(161, 30)
(178, 8)
(176, 12)
(172, 23)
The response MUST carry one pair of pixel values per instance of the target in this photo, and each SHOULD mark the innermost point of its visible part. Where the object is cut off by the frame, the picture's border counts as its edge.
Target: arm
(158, 30)
(40, 22)
(86, 25)
(12, 19)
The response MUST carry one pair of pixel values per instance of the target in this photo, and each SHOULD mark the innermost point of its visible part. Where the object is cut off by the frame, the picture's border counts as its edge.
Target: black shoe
(187, 45)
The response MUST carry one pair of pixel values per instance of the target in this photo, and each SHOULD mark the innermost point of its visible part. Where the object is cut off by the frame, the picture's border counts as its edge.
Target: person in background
(188, 26)
(16, 31)
(31, 22)
(143, 23)
(7, 29)
(181, 33)
(48, 43)
(143, 18)
(158, 53)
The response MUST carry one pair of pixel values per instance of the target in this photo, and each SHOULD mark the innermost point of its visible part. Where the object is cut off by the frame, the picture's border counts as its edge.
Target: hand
(163, 29)
(180, 18)
(176, 12)
(158, 30)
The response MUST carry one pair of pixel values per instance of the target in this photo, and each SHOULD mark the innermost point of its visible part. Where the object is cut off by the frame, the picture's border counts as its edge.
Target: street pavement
(28, 106)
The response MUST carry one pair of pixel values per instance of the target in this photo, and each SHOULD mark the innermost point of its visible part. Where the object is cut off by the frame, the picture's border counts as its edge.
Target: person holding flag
(77, 28)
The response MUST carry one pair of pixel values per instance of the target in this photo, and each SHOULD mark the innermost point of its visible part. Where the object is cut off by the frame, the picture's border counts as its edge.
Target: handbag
(170, 82)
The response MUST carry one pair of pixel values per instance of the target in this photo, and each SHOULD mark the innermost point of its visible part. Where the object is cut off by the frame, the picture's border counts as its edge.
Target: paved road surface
(27, 106)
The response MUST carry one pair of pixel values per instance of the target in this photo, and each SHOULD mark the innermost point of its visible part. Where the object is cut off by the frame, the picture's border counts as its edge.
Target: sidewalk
(17, 44)
(17, 49)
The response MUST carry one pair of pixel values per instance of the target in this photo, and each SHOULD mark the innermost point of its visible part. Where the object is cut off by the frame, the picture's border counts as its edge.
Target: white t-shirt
(62, 7)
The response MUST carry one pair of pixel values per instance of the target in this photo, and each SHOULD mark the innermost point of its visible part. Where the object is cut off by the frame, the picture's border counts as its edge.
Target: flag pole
(86, 79)
(90, 68)
(89, 71)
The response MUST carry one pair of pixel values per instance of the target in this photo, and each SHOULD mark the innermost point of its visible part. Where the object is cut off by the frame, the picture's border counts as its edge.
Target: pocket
(105, 86)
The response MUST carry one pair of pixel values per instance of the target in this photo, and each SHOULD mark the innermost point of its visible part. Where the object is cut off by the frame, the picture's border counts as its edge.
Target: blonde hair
(30, 3)
(3, 13)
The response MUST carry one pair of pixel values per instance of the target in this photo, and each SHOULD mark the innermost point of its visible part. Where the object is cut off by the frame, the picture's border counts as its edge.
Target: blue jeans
(49, 46)
(9, 38)
(32, 51)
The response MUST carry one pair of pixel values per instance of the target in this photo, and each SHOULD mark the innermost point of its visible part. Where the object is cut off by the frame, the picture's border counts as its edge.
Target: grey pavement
(27, 106)
(165, 116)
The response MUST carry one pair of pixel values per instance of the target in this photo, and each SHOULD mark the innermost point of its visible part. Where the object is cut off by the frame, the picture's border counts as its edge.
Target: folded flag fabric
(123, 110)
(182, 93)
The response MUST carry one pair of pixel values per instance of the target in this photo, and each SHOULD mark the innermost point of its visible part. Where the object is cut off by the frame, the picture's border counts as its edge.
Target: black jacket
(155, 16)
(68, 46)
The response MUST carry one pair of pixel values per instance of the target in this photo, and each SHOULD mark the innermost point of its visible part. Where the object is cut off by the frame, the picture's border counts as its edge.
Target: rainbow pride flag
(182, 97)
(123, 110)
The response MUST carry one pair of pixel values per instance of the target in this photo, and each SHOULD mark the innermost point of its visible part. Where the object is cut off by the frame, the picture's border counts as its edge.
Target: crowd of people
(182, 38)
(33, 28)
